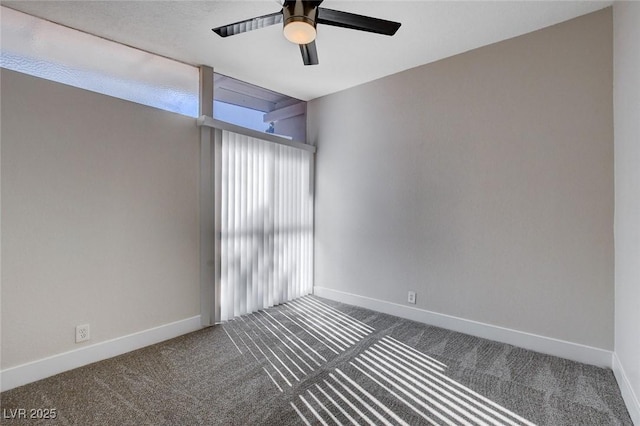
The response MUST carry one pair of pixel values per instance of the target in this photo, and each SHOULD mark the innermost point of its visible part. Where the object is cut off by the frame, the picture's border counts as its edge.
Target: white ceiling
(431, 30)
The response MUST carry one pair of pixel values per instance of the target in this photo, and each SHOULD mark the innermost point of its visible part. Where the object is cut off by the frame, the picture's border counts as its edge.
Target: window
(259, 109)
(47, 50)
(43, 49)
(242, 116)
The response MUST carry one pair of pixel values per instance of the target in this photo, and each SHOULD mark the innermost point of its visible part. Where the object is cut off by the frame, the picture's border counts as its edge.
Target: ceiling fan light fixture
(299, 32)
(299, 19)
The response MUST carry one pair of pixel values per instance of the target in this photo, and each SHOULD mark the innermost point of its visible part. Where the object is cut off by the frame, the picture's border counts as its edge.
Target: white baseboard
(546, 345)
(629, 396)
(36, 370)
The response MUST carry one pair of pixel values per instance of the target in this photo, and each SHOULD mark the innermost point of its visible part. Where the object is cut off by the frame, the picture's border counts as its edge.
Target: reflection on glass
(43, 49)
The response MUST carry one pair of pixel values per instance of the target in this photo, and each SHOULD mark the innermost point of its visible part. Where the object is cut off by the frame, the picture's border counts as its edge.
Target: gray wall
(99, 217)
(627, 177)
(483, 181)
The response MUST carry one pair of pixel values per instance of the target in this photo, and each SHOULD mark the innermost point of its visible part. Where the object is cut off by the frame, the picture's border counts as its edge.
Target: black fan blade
(249, 25)
(356, 22)
(309, 53)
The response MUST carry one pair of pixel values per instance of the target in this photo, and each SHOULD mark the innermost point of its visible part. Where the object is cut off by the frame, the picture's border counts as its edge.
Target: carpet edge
(628, 395)
(29, 372)
(547, 345)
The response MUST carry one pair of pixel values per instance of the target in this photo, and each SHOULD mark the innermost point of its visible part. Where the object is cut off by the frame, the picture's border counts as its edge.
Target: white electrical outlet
(82, 333)
(412, 297)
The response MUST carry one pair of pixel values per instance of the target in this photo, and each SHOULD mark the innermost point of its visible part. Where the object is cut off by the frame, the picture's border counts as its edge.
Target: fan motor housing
(301, 11)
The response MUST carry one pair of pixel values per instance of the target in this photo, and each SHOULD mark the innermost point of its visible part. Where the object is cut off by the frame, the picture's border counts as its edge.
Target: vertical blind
(266, 224)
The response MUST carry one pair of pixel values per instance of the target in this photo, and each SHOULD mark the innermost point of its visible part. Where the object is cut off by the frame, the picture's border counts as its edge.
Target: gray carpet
(315, 361)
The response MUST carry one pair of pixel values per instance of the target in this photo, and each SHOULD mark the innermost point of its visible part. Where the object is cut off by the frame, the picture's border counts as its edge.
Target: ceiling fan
(300, 19)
